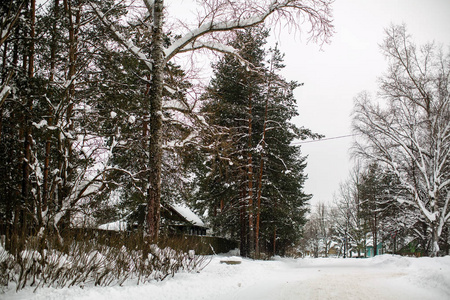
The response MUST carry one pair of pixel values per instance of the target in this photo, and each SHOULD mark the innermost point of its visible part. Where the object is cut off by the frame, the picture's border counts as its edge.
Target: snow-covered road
(342, 279)
(383, 277)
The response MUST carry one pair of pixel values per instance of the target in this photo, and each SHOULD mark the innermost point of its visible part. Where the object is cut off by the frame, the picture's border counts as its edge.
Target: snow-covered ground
(382, 277)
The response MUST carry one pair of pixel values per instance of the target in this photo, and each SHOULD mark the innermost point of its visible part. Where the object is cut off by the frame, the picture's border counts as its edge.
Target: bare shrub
(85, 261)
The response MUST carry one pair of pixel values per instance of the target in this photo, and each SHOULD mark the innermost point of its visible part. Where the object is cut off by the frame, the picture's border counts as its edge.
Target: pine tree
(283, 199)
(252, 182)
(235, 99)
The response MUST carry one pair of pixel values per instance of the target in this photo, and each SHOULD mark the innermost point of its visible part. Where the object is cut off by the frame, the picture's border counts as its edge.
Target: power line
(324, 139)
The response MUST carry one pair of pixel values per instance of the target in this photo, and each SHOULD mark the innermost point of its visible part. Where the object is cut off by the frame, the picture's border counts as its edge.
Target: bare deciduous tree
(410, 132)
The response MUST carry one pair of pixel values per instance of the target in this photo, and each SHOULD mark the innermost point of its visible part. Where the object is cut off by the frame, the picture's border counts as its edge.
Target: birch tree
(215, 22)
(409, 131)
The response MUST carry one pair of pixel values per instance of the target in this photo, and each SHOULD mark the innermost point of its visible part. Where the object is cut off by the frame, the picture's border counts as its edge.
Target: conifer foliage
(252, 181)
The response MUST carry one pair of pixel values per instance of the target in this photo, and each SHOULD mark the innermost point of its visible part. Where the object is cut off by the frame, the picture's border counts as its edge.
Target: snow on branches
(410, 133)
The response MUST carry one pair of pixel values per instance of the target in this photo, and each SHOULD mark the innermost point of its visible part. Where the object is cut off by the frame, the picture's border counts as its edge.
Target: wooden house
(180, 219)
(175, 220)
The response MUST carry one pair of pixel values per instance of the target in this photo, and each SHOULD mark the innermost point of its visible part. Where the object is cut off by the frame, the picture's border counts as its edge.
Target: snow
(233, 260)
(381, 277)
(4, 32)
(174, 104)
(42, 123)
(188, 214)
(4, 92)
(116, 226)
(131, 119)
(123, 40)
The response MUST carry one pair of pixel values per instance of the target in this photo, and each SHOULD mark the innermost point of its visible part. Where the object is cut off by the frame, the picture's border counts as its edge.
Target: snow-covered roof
(188, 214)
(185, 212)
(120, 225)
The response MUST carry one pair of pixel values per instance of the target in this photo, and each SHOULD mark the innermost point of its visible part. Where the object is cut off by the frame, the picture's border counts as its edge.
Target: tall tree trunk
(32, 37)
(250, 182)
(261, 172)
(375, 236)
(13, 208)
(261, 165)
(66, 144)
(243, 223)
(258, 204)
(45, 186)
(155, 147)
(275, 241)
(28, 66)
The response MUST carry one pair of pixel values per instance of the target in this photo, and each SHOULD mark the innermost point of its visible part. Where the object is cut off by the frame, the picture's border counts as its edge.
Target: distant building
(370, 251)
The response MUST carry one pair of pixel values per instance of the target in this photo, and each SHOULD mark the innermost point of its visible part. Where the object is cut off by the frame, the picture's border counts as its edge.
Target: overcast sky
(336, 73)
(350, 64)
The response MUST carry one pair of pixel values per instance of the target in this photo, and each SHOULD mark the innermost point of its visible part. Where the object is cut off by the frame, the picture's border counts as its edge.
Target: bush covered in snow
(87, 262)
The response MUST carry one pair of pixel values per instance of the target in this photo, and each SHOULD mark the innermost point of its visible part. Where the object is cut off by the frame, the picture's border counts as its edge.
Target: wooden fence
(202, 245)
